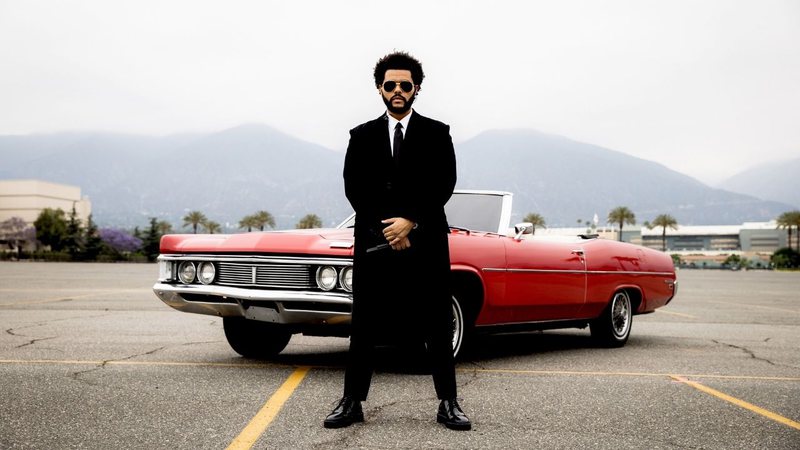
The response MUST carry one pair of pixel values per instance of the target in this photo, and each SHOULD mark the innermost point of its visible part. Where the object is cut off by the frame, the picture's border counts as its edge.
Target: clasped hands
(397, 232)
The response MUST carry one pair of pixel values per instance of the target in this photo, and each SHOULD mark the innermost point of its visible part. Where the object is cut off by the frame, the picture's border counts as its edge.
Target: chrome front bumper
(275, 306)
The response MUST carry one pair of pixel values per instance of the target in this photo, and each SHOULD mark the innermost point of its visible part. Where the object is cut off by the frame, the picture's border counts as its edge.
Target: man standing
(399, 172)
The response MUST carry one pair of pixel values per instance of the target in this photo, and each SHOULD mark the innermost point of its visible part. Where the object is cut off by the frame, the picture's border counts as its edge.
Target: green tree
(74, 242)
(194, 218)
(621, 215)
(785, 258)
(789, 220)
(151, 240)
(676, 259)
(248, 222)
(94, 244)
(51, 228)
(536, 220)
(211, 227)
(309, 221)
(664, 221)
(734, 261)
(14, 231)
(262, 219)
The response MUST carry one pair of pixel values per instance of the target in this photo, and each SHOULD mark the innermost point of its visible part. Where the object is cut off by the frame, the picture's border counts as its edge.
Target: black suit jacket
(416, 188)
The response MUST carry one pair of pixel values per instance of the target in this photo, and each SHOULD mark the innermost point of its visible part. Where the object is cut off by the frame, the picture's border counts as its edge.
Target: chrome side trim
(588, 272)
(628, 272)
(531, 322)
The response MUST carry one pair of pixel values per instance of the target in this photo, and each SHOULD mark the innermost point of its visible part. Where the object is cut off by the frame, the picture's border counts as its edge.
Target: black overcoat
(406, 288)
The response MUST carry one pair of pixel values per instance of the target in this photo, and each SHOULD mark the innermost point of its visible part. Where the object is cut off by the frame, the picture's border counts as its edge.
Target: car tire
(613, 327)
(254, 339)
(459, 327)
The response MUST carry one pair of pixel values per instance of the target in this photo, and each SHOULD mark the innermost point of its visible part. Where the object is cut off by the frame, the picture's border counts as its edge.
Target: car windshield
(476, 211)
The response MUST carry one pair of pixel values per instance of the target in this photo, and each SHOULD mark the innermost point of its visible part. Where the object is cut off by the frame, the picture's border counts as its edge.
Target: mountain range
(778, 181)
(238, 171)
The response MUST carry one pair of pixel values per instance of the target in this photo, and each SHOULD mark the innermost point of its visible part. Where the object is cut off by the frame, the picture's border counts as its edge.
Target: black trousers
(426, 315)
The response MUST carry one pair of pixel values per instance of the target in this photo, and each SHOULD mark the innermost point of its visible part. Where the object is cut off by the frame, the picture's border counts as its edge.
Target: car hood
(329, 242)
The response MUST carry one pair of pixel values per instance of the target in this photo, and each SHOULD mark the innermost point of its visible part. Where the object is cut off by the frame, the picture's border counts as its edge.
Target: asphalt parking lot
(90, 358)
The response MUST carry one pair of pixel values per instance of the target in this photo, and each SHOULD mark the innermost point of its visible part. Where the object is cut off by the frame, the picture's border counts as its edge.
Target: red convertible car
(270, 285)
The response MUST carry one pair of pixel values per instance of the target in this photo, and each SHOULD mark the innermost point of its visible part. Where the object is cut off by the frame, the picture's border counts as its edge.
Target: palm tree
(164, 227)
(211, 227)
(621, 215)
(663, 221)
(194, 218)
(794, 219)
(534, 219)
(263, 218)
(309, 221)
(248, 222)
(789, 220)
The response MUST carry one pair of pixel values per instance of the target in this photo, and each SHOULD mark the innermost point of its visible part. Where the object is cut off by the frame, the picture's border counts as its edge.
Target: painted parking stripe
(66, 298)
(621, 374)
(267, 413)
(772, 308)
(741, 403)
(676, 314)
(264, 417)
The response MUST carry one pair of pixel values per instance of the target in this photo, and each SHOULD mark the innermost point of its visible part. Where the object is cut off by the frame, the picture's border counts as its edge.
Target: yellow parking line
(661, 311)
(56, 299)
(737, 402)
(756, 306)
(264, 417)
(623, 374)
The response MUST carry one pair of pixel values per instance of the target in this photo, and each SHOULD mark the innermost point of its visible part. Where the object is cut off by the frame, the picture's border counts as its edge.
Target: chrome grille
(292, 276)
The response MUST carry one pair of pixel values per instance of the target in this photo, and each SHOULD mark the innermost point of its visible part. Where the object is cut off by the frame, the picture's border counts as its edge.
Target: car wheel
(254, 339)
(613, 327)
(458, 326)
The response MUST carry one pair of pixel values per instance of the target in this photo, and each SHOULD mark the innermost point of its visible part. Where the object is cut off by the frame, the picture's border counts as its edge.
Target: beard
(399, 109)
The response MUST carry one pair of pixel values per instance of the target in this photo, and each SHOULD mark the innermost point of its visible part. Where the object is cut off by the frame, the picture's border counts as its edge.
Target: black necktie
(398, 142)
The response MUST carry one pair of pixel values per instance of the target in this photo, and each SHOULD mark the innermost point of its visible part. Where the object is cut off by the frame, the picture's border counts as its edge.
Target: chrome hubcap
(458, 324)
(621, 314)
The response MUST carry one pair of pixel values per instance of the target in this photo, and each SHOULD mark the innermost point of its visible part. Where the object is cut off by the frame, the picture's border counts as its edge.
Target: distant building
(27, 198)
(749, 237)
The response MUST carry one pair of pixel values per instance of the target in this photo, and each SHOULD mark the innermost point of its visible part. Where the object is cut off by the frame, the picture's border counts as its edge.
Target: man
(399, 172)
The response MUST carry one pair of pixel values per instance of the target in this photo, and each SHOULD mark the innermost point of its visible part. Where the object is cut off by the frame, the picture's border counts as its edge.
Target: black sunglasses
(406, 86)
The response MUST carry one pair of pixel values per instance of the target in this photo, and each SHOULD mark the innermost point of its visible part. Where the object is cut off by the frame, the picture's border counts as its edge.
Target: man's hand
(397, 232)
(402, 245)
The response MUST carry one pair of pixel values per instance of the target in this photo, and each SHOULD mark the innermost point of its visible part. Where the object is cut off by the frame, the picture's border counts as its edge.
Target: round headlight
(346, 278)
(326, 278)
(186, 272)
(206, 272)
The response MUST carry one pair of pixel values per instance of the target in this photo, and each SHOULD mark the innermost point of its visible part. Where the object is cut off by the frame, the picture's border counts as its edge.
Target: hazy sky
(704, 87)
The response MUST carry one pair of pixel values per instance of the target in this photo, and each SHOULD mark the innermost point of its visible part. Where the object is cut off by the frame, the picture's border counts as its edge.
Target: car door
(545, 280)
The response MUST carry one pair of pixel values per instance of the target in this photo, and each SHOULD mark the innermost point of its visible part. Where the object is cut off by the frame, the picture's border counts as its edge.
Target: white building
(27, 198)
(707, 239)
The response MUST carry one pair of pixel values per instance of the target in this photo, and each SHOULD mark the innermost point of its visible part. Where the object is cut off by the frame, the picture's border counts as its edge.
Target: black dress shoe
(452, 416)
(345, 414)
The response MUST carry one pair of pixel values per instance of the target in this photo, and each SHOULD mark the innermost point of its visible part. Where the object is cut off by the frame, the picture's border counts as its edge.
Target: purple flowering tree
(120, 240)
(15, 231)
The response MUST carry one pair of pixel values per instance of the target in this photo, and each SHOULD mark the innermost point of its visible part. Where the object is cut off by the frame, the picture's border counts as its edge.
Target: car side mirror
(523, 228)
